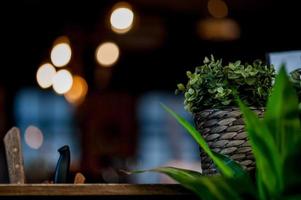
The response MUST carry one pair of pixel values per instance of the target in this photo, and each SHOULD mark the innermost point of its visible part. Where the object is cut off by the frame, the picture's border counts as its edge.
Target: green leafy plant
(213, 85)
(276, 143)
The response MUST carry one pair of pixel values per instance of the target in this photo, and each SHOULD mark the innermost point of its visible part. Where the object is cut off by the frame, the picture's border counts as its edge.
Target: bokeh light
(122, 18)
(78, 91)
(107, 54)
(219, 29)
(33, 137)
(45, 74)
(62, 81)
(61, 54)
(217, 8)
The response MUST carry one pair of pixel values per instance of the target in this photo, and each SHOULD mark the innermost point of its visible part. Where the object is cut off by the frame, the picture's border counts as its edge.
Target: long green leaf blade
(235, 167)
(219, 160)
(207, 187)
(283, 121)
(282, 117)
(265, 152)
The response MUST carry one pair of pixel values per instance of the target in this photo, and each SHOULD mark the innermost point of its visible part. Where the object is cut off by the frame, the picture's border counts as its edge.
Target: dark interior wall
(154, 55)
(29, 28)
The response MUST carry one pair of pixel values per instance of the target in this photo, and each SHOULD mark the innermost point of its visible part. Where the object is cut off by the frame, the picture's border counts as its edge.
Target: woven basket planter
(224, 132)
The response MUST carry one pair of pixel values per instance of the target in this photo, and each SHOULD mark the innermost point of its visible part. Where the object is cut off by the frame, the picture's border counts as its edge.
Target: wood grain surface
(92, 190)
(14, 156)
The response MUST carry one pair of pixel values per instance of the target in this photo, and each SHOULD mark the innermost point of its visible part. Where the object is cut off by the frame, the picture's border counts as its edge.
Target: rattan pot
(223, 129)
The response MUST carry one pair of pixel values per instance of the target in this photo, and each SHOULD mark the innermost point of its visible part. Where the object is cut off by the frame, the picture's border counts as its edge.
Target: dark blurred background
(116, 121)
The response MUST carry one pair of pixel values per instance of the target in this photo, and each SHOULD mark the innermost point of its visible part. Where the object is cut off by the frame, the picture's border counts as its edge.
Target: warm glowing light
(62, 81)
(33, 137)
(219, 29)
(107, 53)
(61, 39)
(217, 8)
(45, 74)
(122, 18)
(61, 54)
(78, 91)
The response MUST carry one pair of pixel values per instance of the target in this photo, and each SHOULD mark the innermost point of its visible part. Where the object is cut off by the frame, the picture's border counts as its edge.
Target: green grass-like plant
(276, 145)
(214, 85)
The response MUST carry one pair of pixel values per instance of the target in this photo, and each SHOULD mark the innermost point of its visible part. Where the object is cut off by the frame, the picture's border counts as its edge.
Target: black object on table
(63, 164)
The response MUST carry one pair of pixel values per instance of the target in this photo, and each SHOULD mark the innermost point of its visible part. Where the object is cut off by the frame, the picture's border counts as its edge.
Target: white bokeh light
(33, 137)
(62, 81)
(45, 74)
(61, 54)
(122, 19)
(107, 54)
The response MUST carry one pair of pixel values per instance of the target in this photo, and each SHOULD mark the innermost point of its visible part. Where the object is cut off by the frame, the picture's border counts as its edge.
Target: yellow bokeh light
(107, 53)
(122, 18)
(33, 137)
(217, 8)
(45, 74)
(78, 91)
(61, 39)
(219, 29)
(62, 81)
(61, 54)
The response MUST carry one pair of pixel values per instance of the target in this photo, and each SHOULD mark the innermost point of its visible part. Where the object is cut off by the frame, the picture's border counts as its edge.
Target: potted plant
(209, 95)
(275, 141)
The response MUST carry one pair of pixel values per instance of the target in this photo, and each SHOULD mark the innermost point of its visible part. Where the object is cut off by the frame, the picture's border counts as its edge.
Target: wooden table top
(92, 190)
